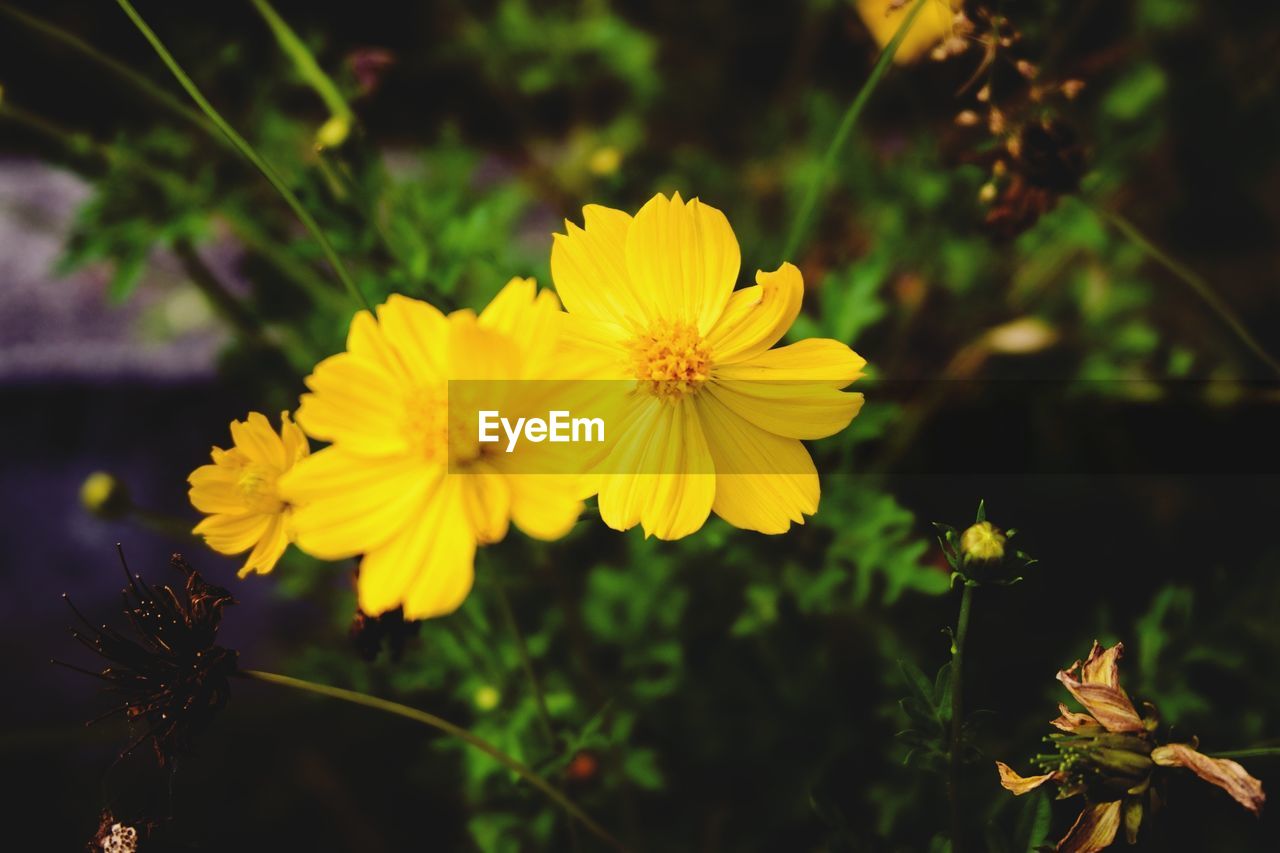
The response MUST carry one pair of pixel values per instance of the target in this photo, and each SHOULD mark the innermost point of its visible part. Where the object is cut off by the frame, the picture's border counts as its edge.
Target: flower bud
(982, 544)
(333, 132)
(105, 496)
(486, 698)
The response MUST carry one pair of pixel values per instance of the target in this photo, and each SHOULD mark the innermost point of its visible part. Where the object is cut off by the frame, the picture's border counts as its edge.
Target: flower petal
(763, 482)
(1020, 785)
(258, 440)
(1108, 703)
(1069, 721)
(347, 504)
(1225, 773)
(357, 403)
(787, 409)
(757, 317)
(410, 340)
(231, 534)
(429, 566)
(545, 506)
(683, 260)
(589, 268)
(1094, 830)
(215, 488)
(1101, 667)
(487, 500)
(270, 547)
(813, 360)
(295, 440)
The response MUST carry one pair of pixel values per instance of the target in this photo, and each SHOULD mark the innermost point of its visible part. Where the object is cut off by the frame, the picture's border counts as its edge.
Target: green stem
(1193, 280)
(427, 719)
(801, 223)
(526, 663)
(954, 755)
(247, 150)
(304, 61)
(139, 81)
(1256, 752)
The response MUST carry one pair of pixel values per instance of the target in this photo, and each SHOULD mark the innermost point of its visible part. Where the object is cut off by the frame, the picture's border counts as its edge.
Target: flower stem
(139, 81)
(526, 663)
(427, 719)
(800, 224)
(954, 755)
(247, 150)
(1193, 280)
(304, 61)
(1257, 752)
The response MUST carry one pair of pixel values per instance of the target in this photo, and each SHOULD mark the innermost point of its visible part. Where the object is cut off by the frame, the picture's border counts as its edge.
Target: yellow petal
(487, 500)
(258, 440)
(1019, 785)
(412, 336)
(215, 488)
(813, 360)
(545, 506)
(932, 24)
(532, 318)
(1225, 773)
(757, 317)
(1102, 666)
(356, 403)
(428, 567)
(367, 341)
(346, 504)
(1094, 830)
(790, 410)
(589, 268)
(269, 548)
(294, 439)
(683, 260)
(477, 353)
(661, 473)
(231, 534)
(763, 482)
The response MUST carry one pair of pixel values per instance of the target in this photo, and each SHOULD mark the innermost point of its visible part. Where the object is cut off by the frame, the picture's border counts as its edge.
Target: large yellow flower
(240, 495)
(405, 482)
(714, 417)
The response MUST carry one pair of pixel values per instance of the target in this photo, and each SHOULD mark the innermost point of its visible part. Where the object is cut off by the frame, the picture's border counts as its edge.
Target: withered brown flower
(1116, 758)
(172, 679)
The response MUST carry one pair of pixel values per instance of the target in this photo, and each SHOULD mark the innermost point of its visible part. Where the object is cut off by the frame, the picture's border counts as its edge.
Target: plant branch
(267, 170)
(954, 754)
(427, 719)
(800, 224)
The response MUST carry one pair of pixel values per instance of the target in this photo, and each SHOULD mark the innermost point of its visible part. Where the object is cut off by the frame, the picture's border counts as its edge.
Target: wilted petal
(1226, 774)
(1094, 830)
(1101, 665)
(1109, 704)
(1069, 721)
(1020, 785)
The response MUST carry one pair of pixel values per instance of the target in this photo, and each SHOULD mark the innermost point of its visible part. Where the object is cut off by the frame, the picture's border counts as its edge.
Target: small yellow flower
(934, 24)
(1115, 759)
(405, 481)
(239, 491)
(714, 417)
(982, 542)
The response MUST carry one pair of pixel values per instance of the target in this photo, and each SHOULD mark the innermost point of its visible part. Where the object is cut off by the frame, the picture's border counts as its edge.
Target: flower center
(435, 433)
(257, 485)
(671, 360)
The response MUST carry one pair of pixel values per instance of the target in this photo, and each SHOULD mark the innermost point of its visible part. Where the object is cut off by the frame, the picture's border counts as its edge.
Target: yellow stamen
(671, 360)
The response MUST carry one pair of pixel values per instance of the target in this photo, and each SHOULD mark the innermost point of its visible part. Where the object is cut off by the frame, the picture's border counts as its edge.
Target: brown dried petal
(1101, 667)
(1069, 720)
(1226, 774)
(1094, 830)
(1020, 785)
(1110, 706)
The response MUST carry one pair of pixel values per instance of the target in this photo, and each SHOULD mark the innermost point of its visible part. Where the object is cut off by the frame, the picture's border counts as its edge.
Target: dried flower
(1116, 758)
(172, 679)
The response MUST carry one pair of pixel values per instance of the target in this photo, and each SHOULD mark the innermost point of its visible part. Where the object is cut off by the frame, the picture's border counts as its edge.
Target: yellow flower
(714, 417)
(406, 482)
(1115, 758)
(239, 491)
(933, 24)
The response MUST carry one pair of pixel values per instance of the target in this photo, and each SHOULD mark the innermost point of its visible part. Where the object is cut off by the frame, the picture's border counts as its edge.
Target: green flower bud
(105, 496)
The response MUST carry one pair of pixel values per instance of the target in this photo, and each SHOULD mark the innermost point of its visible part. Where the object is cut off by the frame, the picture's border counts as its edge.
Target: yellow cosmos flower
(714, 418)
(406, 482)
(933, 24)
(240, 494)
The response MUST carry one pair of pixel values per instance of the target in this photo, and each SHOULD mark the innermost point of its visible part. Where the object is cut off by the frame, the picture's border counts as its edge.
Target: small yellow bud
(967, 118)
(982, 543)
(486, 698)
(605, 161)
(333, 132)
(987, 194)
(104, 495)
